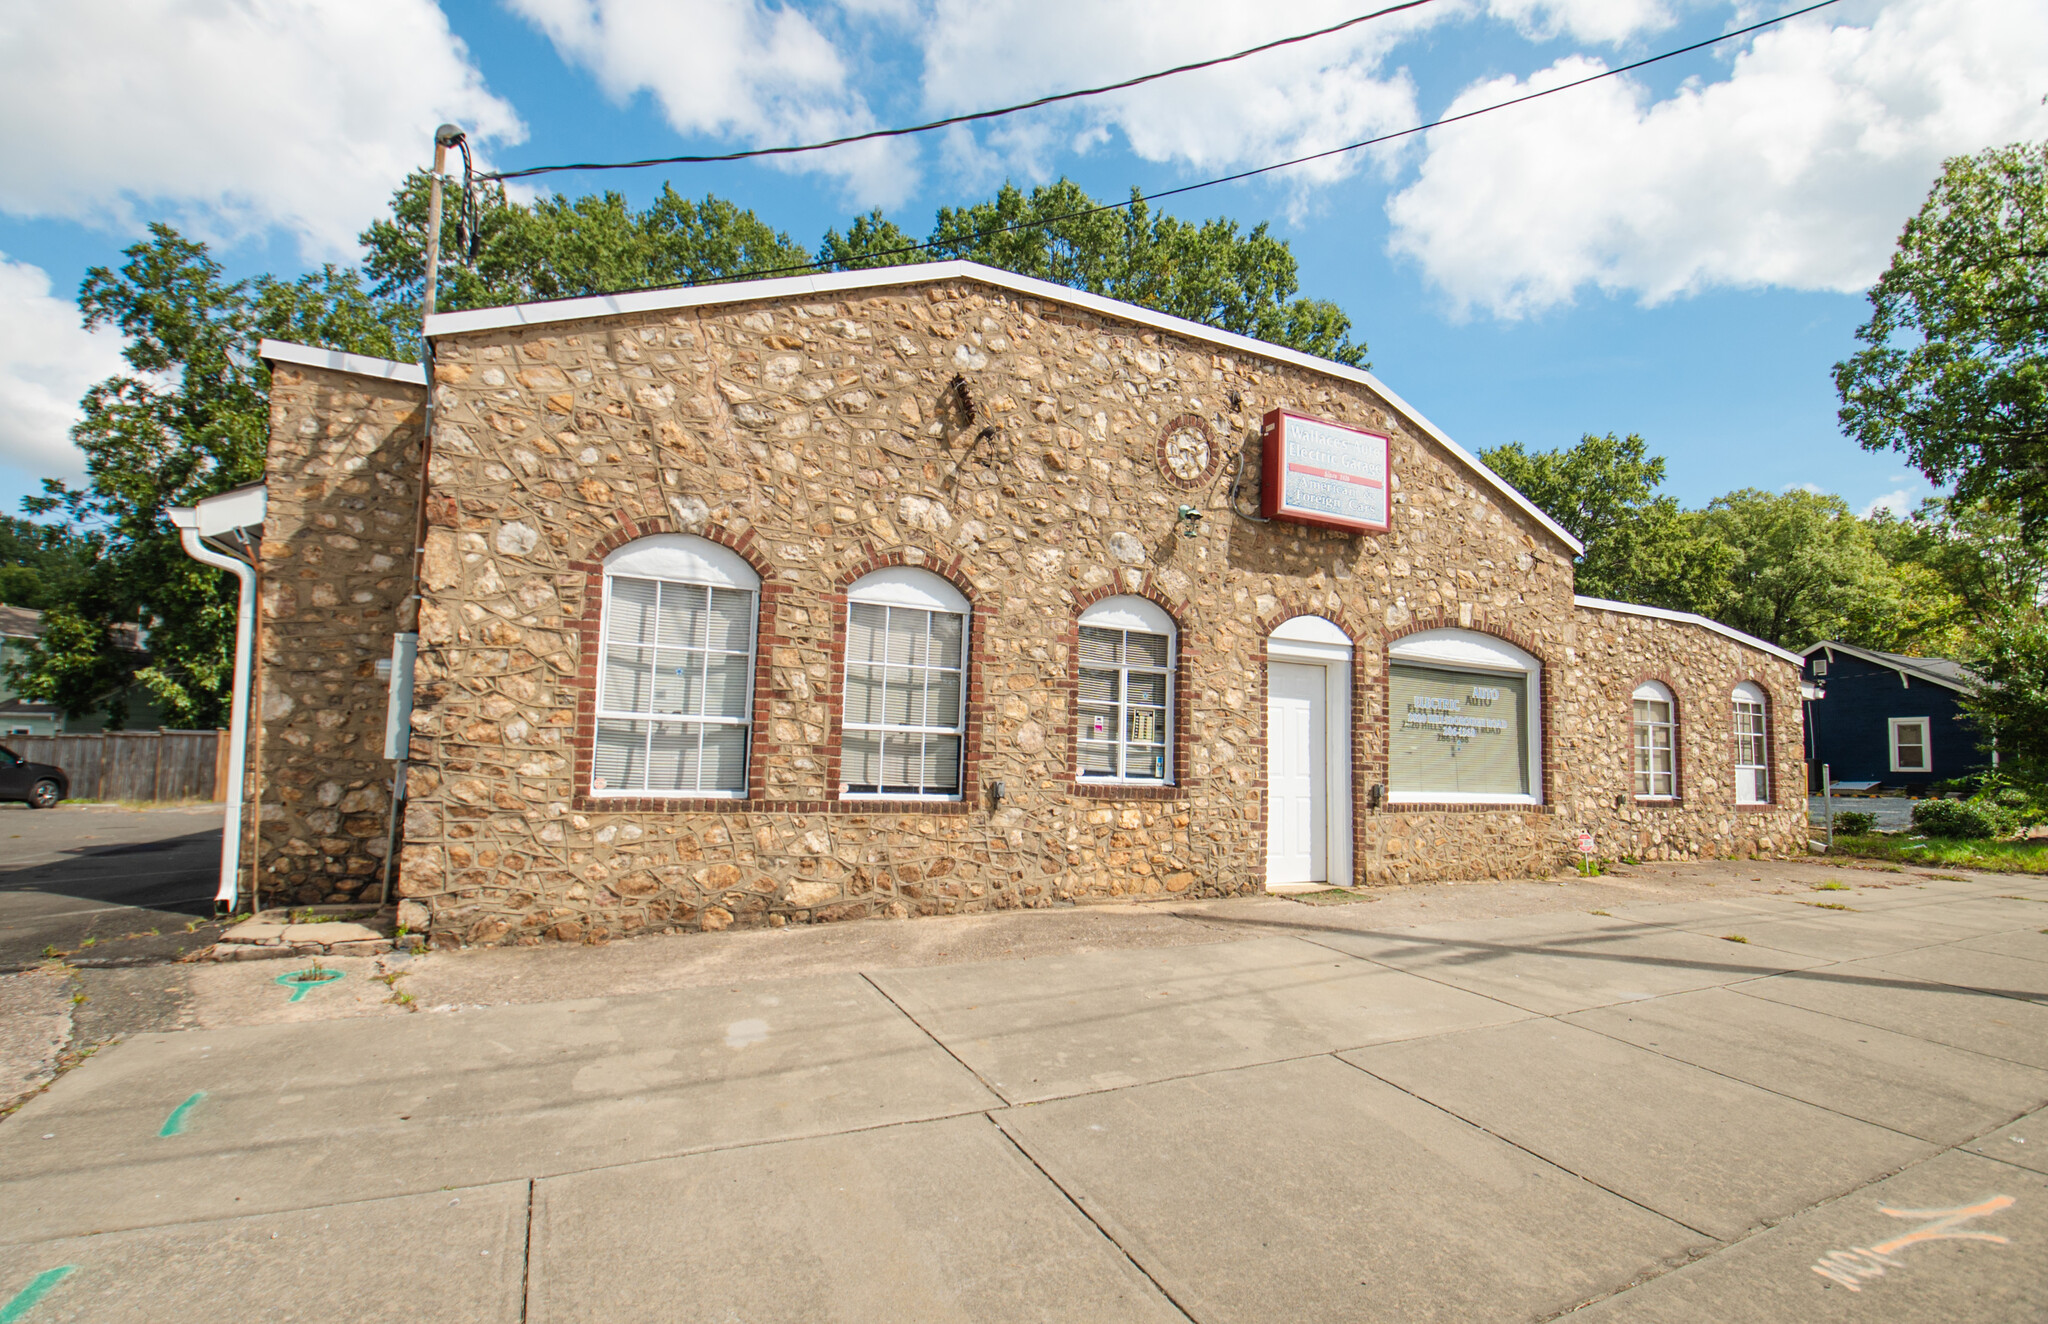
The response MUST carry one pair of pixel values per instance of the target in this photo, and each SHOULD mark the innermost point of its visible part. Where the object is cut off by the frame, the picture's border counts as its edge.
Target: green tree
(2010, 704)
(1954, 373)
(190, 419)
(1640, 546)
(1805, 568)
(41, 563)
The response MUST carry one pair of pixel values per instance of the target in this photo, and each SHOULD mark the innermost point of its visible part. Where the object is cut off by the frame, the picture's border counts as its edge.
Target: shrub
(1854, 822)
(1955, 818)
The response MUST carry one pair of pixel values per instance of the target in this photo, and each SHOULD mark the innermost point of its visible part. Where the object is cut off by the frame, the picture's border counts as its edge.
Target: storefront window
(1462, 722)
(675, 670)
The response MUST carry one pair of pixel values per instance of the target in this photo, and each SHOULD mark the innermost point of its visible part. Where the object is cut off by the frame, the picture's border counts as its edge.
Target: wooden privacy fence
(135, 765)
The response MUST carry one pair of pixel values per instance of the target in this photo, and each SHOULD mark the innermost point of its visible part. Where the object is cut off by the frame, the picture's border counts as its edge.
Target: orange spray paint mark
(1849, 1267)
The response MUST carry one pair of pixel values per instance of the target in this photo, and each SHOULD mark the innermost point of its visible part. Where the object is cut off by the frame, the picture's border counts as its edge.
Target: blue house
(1885, 717)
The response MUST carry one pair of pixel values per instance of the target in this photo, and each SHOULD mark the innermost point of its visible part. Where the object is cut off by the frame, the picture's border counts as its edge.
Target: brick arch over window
(590, 622)
(1284, 611)
(1185, 655)
(1679, 705)
(1776, 798)
(982, 607)
(1546, 708)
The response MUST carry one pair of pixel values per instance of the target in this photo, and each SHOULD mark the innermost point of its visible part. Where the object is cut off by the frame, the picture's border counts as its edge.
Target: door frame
(1313, 640)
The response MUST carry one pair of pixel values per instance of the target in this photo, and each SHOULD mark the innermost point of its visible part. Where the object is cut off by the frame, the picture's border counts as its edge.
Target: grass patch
(1335, 896)
(1827, 905)
(1830, 887)
(1733, 937)
(2030, 857)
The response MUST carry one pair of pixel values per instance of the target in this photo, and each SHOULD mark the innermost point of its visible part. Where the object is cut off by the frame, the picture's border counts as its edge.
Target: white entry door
(1297, 773)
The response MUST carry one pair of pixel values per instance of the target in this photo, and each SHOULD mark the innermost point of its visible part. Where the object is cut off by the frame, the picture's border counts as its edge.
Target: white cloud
(1814, 488)
(1286, 103)
(732, 69)
(46, 361)
(231, 116)
(1796, 169)
(1899, 503)
(1606, 21)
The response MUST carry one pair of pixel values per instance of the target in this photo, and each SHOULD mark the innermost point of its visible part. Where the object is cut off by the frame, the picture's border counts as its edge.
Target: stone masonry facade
(1010, 445)
(336, 566)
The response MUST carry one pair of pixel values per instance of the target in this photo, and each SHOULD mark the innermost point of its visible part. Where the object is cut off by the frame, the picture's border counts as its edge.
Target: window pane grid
(904, 711)
(675, 688)
(1123, 699)
(1655, 750)
(1752, 776)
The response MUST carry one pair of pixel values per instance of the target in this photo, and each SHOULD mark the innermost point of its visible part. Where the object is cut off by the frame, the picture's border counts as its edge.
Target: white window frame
(1926, 725)
(1128, 614)
(675, 558)
(1651, 691)
(912, 589)
(1452, 649)
(1744, 696)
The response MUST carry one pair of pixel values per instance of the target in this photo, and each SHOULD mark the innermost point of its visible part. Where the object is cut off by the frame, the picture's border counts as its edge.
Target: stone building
(932, 589)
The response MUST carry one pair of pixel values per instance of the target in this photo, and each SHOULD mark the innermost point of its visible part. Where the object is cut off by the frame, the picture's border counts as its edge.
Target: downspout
(187, 520)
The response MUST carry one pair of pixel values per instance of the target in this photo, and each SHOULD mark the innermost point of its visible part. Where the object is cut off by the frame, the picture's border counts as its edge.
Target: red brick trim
(1677, 797)
(1185, 654)
(1546, 707)
(1208, 474)
(1286, 610)
(587, 627)
(982, 609)
(1486, 807)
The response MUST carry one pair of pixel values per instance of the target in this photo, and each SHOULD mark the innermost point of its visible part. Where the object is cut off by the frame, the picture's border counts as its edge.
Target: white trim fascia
(359, 365)
(1688, 618)
(924, 273)
(1888, 664)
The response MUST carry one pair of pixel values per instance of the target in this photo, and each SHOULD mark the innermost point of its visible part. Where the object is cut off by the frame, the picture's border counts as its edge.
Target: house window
(1656, 743)
(1909, 745)
(1464, 723)
(1124, 714)
(675, 670)
(1752, 749)
(904, 720)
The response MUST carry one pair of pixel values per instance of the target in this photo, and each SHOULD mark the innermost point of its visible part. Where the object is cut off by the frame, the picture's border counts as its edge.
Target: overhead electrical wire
(1047, 222)
(970, 118)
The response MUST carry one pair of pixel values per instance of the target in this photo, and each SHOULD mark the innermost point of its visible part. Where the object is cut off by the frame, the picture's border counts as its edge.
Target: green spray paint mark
(174, 1125)
(302, 982)
(38, 1288)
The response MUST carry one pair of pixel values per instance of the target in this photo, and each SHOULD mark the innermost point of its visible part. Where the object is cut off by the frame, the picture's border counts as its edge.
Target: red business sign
(1319, 472)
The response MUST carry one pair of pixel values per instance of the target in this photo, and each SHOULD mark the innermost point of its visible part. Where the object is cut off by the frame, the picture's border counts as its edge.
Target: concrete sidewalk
(1778, 1104)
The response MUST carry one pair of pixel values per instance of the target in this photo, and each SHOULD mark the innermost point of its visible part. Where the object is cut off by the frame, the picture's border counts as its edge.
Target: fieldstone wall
(1013, 447)
(336, 567)
(1610, 653)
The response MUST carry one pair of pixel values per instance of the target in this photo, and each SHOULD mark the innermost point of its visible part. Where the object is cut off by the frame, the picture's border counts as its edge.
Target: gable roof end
(1942, 671)
(923, 273)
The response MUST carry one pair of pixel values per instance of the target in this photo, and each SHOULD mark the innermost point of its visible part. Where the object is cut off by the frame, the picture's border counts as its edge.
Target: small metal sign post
(1827, 802)
(1586, 854)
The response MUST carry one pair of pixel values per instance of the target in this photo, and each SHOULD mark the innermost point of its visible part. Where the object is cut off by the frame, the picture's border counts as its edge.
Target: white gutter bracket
(214, 517)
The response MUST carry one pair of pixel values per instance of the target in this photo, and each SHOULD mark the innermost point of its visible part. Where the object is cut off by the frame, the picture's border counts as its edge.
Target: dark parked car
(40, 784)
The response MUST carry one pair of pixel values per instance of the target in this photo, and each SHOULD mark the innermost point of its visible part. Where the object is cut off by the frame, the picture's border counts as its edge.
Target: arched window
(1752, 750)
(1464, 724)
(1124, 731)
(675, 670)
(1656, 743)
(904, 721)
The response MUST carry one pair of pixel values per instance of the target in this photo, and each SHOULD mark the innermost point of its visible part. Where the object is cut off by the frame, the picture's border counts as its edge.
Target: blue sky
(1679, 252)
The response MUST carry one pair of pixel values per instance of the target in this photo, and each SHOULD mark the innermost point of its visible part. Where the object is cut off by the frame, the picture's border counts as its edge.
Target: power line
(1299, 160)
(873, 134)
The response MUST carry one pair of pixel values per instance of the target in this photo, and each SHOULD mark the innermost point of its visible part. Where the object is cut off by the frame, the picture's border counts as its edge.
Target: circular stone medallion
(1187, 453)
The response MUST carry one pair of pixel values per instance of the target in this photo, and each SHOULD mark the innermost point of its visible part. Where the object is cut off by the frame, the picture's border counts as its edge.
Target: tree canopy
(1954, 369)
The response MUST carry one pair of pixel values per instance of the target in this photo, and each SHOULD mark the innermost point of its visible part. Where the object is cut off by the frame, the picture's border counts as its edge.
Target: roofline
(1688, 618)
(924, 273)
(357, 365)
(1836, 645)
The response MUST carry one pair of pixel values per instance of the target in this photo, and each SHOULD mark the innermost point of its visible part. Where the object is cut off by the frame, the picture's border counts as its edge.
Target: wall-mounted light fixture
(1190, 522)
(1373, 795)
(996, 792)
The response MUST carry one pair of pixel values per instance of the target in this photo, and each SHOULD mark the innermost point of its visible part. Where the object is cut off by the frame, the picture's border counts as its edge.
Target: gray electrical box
(398, 715)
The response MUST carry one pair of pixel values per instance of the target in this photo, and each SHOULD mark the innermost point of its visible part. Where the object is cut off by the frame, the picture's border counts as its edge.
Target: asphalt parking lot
(106, 886)
(1816, 1099)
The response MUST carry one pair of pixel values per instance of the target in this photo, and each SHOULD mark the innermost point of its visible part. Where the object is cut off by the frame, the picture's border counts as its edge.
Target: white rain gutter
(215, 517)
